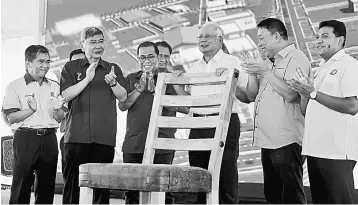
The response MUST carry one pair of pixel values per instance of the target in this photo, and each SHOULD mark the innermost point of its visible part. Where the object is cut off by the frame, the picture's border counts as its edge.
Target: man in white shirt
(210, 43)
(330, 104)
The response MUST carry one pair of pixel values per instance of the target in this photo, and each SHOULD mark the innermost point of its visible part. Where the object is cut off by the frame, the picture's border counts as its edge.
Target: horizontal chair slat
(188, 122)
(195, 78)
(183, 144)
(191, 101)
(205, 110)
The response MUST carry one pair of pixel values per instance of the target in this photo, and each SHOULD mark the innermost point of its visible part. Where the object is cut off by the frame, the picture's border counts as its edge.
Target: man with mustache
(329, 102)
(141, 86)
(91, 87)
(33, 108)
(278, 121)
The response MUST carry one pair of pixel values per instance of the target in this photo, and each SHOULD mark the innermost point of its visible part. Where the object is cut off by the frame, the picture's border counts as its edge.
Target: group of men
(298, 113)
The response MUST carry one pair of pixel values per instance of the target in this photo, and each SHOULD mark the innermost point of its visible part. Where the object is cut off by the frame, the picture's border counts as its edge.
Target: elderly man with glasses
(210, 42)
(91, 87)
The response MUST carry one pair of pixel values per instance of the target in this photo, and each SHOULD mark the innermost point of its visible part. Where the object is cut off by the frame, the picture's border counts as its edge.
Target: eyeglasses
(206, 37)
(142, 58)
(164, 56)
(100, 42)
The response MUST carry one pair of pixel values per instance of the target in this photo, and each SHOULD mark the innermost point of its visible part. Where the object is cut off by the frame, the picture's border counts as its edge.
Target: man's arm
(131, 99)
(280, 85)
(119, 92)
(303, 104)
(252, 87)
(18, 116)
(241, 94)
(348, 105)
(71, 90)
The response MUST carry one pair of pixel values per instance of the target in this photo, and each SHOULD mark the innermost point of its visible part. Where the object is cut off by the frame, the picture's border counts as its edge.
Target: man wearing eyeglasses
(90, 86)
(140, 86)
(210, 42)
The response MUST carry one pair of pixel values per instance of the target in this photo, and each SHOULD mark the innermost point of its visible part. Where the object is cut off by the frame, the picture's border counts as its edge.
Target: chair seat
(153, 177)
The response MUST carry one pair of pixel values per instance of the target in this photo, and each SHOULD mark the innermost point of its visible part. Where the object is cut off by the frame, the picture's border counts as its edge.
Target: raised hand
(301, 83)
(252, 64)
(32, 103)
(111, 77)
(56, 102)
(91, 71)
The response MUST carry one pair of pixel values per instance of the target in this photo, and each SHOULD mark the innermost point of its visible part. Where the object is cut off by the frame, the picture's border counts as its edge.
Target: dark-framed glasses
(150, 58)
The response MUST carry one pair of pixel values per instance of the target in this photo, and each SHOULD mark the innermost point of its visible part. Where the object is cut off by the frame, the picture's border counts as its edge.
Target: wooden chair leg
(152, 198)
(144, 197)
(212, 197)
(86, 195)
(157, 198)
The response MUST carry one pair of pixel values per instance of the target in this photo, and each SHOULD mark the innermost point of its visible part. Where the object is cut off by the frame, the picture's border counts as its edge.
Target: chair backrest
(220, 103)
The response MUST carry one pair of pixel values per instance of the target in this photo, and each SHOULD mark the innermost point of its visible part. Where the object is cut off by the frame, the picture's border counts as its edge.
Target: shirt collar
(285, 51)
(84, 61)
(28, 78)
(216, 57)
(336, 57)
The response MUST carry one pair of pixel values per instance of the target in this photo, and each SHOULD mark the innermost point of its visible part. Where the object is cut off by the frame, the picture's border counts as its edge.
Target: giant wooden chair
(153, 180)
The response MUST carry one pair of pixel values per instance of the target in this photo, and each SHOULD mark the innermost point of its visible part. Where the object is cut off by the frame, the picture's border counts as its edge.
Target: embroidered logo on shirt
(79, 76)
(333, 72)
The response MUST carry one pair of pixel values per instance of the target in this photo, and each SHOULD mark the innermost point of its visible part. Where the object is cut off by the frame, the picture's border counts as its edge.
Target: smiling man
(33, 108)
(140, 86)
(278, 121)
(330, 104)
(90, 86)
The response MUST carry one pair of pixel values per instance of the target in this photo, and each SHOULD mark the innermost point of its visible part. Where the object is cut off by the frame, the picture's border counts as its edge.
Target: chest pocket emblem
(333, 72)
(79, 76)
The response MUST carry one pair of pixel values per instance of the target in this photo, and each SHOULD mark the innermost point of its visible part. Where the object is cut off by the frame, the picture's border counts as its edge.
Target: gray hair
(218, 30)
(90, 32)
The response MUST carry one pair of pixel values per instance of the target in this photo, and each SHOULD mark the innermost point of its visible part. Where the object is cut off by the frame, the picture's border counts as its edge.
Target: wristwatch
(313, 94)
(114, 84)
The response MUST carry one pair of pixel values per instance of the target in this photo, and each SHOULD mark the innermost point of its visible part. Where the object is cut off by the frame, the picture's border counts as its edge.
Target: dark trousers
(283, 173)
(331, 180)
(81, 153)
(132, 197)
(229, 179)
(33, 153)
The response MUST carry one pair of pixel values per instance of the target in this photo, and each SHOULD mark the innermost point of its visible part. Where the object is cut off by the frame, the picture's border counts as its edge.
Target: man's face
(267, 42)
(208, 40)
(39, 66)
(94, 46)
(147, 58)
(327, 43)
(163, 57)
(77, 56)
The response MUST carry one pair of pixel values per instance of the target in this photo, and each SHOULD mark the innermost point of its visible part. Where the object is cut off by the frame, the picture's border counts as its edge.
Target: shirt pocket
(280, 72)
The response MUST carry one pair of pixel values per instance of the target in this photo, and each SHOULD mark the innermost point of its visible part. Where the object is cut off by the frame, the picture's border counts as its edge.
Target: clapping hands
(253, 64)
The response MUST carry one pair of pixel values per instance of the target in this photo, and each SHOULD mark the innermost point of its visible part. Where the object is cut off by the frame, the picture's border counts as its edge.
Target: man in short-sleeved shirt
(278, 121)
(33, 109)
(90, 86)
(139, 105)
(330, 103)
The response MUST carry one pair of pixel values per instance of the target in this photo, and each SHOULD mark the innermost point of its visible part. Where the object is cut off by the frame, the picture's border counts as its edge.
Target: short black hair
(165, 45)
(148, 44)
(339, 29)
(33, 51)
(274, 25)
(75, 52)
(90, 32)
